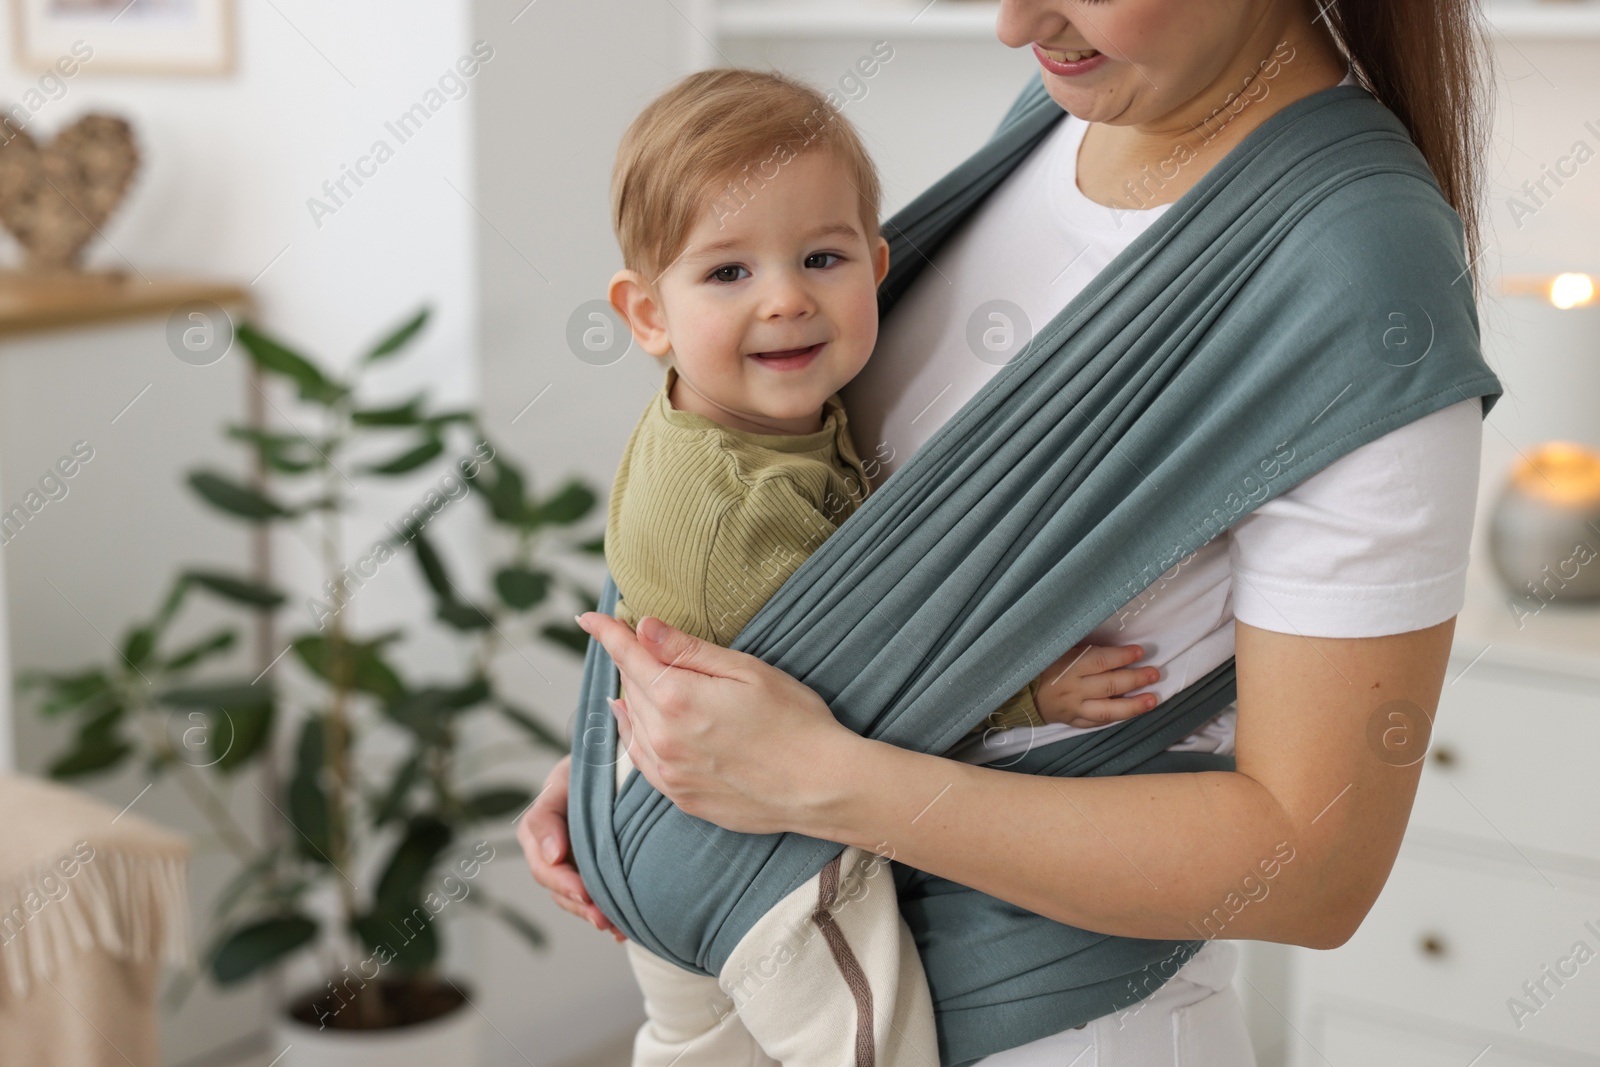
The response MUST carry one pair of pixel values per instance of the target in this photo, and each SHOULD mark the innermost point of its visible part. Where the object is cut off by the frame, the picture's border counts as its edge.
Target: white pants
(1194, 1020)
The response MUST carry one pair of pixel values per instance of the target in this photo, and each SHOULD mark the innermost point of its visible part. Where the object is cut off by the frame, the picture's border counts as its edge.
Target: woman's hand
(1082, 687)
(542, 833)
(718, 732)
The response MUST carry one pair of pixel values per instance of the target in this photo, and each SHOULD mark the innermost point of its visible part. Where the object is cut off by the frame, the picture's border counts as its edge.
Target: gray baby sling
(1306, 296)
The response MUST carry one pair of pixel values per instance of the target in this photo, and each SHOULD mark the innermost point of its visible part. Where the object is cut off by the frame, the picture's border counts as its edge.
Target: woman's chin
(1090, 108)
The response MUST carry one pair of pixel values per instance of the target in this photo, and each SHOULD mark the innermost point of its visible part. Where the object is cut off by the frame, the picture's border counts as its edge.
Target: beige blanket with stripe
(828, 977)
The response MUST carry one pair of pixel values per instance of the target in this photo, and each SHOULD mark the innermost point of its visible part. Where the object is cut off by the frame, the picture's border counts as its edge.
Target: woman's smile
(1069, 62)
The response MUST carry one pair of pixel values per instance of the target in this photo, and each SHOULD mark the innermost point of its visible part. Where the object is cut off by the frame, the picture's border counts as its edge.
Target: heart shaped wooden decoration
(54, 199)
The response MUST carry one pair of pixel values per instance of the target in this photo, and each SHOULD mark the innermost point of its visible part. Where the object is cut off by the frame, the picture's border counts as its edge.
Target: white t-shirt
(1375, 543)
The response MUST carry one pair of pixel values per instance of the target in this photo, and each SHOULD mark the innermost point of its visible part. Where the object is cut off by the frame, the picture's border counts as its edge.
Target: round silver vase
(1544, 532)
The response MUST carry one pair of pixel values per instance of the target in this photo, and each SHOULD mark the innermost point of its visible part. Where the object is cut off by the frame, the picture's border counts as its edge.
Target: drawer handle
(1432, 945)
(1445, 756)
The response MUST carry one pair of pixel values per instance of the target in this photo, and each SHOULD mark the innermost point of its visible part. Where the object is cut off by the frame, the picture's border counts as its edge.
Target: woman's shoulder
(1376, 542)
(1384, 214)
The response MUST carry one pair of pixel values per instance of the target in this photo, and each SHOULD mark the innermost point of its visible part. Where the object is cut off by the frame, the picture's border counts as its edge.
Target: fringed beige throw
(92, 903)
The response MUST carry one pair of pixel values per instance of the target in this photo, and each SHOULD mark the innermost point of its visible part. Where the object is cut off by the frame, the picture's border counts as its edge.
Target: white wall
(567, 80)
(1548, 360)
(229, 164)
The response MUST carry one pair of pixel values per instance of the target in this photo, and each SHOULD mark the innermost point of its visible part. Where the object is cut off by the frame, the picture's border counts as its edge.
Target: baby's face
(772, 306)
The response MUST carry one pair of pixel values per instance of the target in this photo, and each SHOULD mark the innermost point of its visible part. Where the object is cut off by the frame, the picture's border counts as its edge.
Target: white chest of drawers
(1484, 948)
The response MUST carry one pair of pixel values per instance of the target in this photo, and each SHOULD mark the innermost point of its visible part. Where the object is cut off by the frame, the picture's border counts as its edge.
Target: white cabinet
(1514, 757)
(1484, 947)
(1357, 1037)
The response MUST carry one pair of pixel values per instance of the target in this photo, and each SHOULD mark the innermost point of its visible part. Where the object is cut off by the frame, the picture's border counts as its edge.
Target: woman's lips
(1067, 68)
(788, 358)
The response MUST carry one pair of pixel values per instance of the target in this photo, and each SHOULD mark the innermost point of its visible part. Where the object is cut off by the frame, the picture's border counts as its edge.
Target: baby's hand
(1082, 687)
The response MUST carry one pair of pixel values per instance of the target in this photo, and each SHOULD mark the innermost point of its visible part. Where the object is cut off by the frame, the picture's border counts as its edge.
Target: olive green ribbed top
(706, 522)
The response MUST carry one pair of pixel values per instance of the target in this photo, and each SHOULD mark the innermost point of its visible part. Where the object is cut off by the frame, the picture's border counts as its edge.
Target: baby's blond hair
(714, 139)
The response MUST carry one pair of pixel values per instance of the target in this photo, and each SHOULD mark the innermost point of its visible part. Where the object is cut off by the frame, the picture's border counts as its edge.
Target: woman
(1337, 598)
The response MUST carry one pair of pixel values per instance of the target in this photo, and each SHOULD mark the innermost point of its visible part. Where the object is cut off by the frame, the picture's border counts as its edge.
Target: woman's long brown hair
(1430, 63)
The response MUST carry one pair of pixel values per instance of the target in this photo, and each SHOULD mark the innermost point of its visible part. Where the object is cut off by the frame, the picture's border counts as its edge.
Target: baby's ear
(880, 260)
(636, 300)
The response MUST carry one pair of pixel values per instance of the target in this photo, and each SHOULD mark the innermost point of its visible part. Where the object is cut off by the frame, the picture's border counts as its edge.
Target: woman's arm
(1079, 689)
(1324, 767)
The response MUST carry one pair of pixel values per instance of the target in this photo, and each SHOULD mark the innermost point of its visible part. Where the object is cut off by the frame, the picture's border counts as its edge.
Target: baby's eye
(726, 273)
(822, 255)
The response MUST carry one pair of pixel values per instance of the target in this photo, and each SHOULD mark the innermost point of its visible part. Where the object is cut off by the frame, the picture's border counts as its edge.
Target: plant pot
(446, 1040)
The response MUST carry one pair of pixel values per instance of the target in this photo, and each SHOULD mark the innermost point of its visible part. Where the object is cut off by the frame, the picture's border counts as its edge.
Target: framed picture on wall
(125, 36)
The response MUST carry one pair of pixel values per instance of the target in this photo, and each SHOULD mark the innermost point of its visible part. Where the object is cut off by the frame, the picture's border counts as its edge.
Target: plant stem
(337, 737)
(271, 782)
(201, 795)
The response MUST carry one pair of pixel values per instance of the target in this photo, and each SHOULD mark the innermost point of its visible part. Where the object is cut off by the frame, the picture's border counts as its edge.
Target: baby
(747, 212)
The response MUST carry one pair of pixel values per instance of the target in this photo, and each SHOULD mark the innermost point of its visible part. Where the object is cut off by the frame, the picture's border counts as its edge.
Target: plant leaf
(140, 642)
(426, 711)
(433, 569)
(394, 798)
(429, 450)
(408, 938)
(535, 729)
(249, 948)
(569, 504)
(235, 498)
(203, 649)
(568, 635)
(407, 414)
(239, 590)
(521, 587)
(464, 616)
(246, 729)
(400, 885)
(506, 495)
(596, 547)
(219, 694)
(272, 355)
(493, 803)
(465, 696)
(289, 453)
(99, 747)
(399, 338)
(309, 813)
(363, 668)
(444, 418)
(90, 755)
(70, 690)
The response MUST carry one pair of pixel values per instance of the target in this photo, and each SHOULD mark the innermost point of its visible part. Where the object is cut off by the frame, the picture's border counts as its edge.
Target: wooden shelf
(974, 19)
(30, 303)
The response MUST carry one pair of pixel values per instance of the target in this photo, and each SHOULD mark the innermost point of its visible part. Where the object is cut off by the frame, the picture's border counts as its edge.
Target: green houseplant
(386, 838)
